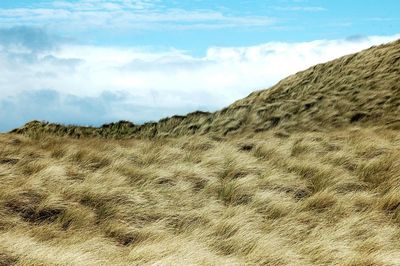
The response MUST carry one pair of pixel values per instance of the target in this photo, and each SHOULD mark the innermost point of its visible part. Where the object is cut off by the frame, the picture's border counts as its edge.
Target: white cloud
(160, 82)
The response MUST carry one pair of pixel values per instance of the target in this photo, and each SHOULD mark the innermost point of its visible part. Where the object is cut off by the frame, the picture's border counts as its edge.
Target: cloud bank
(83, 84)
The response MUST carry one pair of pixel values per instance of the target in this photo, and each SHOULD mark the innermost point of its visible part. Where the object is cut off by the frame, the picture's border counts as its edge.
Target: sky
(90, 62)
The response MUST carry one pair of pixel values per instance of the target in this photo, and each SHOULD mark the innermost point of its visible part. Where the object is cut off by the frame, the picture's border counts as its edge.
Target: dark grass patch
(7, 260)
(8, 161)
(33, 215)
(357, 117)
(246, 147)
(128, 237)
(199, 184)
(301, 194)
(27, 206)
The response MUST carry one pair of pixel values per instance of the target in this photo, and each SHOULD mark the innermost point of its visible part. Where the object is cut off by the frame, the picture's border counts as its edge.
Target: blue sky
(95, 61)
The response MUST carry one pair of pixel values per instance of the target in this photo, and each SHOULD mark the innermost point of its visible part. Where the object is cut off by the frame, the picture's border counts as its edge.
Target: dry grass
(301, 199)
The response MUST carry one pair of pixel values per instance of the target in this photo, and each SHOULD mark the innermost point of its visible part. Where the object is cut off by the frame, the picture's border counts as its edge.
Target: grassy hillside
(305, 173)
(362, 88)
(304, 199)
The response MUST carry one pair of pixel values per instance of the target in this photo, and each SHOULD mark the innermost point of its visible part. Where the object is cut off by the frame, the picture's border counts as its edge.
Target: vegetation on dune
(305, 173)
(308, 198)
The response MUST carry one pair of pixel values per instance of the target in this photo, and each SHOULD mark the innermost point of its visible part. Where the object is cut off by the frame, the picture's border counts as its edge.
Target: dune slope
(305, 173)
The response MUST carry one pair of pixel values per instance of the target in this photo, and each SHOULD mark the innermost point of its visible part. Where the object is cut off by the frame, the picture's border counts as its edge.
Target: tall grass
(308, 198)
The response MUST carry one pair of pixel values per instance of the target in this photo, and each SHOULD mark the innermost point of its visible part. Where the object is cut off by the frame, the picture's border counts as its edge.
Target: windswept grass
(302, 199)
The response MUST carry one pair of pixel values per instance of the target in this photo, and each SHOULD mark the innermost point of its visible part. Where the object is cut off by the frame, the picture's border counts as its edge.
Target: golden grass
(311, 198)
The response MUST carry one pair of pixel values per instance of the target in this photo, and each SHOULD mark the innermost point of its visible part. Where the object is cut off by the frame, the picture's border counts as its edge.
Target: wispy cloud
(90, 5)
(79, 82)
(301, 8)
(122, 14)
